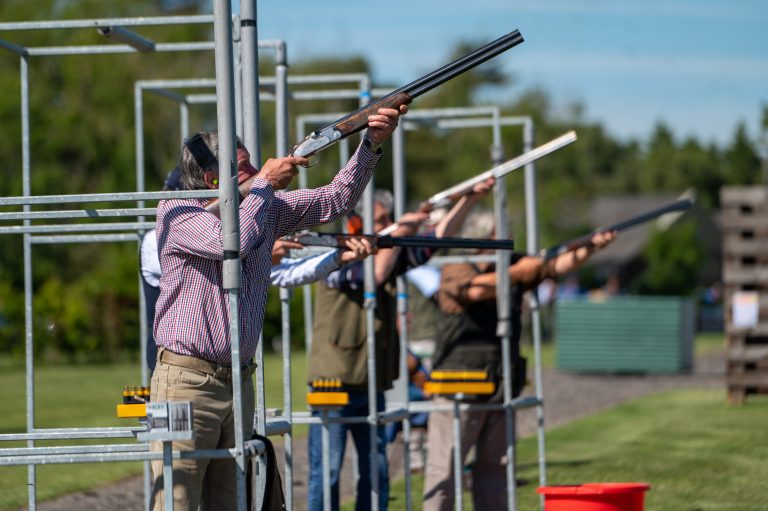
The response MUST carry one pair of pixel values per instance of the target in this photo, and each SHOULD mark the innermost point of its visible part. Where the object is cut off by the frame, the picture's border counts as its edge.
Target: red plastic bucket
(595, 497)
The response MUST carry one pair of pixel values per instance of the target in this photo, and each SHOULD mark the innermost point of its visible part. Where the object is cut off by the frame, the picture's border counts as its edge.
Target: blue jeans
(357, 407)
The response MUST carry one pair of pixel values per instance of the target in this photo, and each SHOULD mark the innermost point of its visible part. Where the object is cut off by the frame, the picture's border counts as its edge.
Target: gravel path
(567, 397)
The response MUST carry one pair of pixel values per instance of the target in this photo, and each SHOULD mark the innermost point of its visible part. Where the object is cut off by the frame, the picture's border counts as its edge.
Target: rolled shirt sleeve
(298, 272)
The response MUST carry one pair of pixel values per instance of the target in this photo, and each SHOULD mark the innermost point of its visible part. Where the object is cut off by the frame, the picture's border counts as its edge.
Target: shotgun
(325, 137)
(465, 187)
(586, 241)
(338, 240)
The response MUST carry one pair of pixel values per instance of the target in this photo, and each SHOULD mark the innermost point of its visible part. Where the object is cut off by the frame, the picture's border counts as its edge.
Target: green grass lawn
(85, 396)
(698, 453)
(707, 343)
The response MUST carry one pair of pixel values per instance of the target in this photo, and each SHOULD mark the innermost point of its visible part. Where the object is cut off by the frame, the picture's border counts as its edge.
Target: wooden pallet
(754, 197)
(744, 223)
(742, 383)
(744, 212)
(747, 364)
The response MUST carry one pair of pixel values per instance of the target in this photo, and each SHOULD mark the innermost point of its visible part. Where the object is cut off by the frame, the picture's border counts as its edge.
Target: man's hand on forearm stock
(574, 259)
(357, 250)
(381, 125)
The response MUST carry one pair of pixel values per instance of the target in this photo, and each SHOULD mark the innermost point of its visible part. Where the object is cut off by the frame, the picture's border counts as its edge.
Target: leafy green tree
(742, 163)
(673, 259)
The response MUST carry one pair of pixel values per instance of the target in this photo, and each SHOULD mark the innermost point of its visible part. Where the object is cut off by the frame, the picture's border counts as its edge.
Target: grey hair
(382, 197)
(479, 224)
(191, 173)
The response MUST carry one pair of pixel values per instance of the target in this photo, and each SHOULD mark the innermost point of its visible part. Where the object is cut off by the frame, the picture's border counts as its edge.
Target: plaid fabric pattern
(192, 313)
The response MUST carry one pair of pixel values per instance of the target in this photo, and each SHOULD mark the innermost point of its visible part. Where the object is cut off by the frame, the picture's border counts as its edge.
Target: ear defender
(354, 223)
(200, 152)
(216, 181)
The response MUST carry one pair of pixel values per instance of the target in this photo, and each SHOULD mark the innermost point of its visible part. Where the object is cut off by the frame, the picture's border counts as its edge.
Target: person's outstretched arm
(304, 209)
(298, 272)
(451, 223)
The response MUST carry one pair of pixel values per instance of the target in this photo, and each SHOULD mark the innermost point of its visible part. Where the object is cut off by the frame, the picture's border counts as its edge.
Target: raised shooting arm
(587, 240)
(466, 187)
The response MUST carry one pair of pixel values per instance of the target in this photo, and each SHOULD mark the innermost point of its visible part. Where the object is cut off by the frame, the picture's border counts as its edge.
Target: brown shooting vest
(339, 337)
(467, 340)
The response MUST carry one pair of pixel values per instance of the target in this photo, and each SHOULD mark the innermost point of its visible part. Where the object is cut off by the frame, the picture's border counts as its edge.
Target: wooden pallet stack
(745, 277)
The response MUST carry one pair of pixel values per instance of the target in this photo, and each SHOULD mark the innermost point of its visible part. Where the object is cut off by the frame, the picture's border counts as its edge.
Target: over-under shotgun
(325, 137)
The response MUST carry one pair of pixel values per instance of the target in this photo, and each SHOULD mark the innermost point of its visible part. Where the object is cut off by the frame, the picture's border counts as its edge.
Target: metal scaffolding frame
(453, 118)
(231, 121)
(281, 95)
(114, 29)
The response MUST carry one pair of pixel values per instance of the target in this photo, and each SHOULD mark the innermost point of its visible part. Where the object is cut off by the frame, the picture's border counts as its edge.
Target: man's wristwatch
(370, 144)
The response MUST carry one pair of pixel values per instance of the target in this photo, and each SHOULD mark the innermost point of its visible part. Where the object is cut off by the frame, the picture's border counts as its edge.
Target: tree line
(83, 140)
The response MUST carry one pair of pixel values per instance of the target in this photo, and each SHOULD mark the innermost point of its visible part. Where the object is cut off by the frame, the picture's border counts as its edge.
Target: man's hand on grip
(280, 171)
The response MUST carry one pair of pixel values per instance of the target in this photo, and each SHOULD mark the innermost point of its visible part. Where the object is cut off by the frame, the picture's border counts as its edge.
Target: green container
(639, 334)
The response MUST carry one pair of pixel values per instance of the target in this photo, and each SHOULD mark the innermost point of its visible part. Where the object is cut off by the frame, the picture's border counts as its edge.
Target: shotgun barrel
(585, 241)
(356, 121)
(456, 191)
(338, 240)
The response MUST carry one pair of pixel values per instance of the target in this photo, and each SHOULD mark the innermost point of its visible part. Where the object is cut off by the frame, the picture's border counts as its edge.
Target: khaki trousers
(482, 429)
(214, 426)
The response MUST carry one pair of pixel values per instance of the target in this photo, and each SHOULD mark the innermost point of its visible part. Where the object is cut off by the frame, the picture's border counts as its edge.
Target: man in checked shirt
(192, 314)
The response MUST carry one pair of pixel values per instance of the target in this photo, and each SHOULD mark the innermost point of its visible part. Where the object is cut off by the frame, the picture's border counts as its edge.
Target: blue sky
(699, 65)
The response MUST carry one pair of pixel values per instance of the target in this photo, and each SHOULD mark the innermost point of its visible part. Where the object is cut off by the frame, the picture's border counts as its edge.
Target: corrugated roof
(609, 210)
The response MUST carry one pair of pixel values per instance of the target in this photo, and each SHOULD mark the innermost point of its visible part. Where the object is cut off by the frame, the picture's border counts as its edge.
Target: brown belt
(218, 371)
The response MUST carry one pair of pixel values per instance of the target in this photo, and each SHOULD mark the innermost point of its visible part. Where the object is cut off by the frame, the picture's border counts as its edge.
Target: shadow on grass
(552, 464)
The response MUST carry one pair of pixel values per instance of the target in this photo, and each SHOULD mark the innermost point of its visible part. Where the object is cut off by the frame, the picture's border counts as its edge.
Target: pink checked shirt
(192, 313)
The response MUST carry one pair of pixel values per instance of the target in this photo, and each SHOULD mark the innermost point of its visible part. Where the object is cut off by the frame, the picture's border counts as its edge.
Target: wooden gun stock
(358, 120)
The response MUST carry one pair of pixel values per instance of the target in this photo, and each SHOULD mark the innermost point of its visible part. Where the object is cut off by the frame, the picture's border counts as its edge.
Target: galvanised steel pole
(138, 111)
(504, 327)
(306, 291)
(398, 179)
(458, 461)
(107, 22)
(229, 197)
(239, 81)
(281, 149)
(184, 120)
(249, 54)
(532, 243)
(325, 445)
(138, 121)
(28, 311)
(369, 302)
(281, 99)
(248, 96)
(287, 398)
